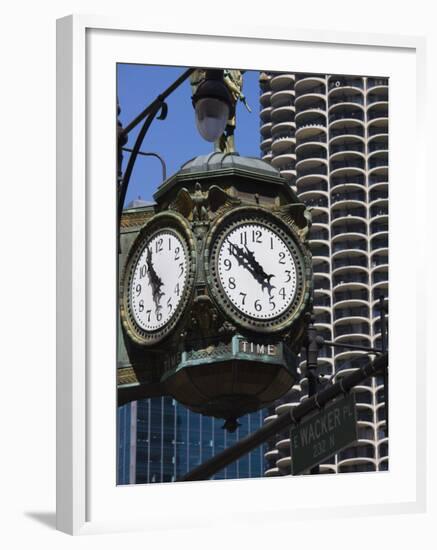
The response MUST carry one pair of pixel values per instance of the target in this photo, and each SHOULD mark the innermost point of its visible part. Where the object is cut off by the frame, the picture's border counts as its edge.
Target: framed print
(235, 214)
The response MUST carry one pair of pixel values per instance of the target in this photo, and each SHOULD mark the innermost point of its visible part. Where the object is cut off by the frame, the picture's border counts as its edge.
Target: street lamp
(212, 103)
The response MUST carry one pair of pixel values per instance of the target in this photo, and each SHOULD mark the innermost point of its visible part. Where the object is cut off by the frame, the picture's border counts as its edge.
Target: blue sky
(175, 138)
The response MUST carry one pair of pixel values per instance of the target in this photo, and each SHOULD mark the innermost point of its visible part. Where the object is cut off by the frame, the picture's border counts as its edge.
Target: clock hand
(155, 282)
(247, 259)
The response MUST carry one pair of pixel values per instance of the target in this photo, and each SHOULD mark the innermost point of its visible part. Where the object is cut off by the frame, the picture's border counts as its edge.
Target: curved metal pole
(130, 165)
(161, 160)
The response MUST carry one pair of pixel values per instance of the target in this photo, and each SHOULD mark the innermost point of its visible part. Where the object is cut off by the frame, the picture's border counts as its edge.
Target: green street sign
(323, 434)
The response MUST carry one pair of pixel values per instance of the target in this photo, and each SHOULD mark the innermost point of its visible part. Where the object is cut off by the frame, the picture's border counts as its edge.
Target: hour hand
(155, 281)
(246, 258)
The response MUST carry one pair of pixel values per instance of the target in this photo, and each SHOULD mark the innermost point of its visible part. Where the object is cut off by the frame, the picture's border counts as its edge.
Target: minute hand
(247, 259)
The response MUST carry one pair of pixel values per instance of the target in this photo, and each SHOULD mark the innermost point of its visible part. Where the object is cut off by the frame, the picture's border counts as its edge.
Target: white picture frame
(88, 500)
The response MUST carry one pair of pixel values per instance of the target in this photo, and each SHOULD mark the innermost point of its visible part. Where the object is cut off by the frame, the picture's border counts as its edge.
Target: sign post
(323, 434)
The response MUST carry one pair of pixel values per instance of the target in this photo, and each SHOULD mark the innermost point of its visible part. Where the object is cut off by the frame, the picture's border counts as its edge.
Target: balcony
(322, 300)
(285, 161)
(317, 234)
(378, 144)
(361, 294)
(309, 186)
(283, 114)
(352, 329)
(306, 82)
(281, 81)
(265, 113)
(379, 194)
(283, 98)
(348, 194)
(378, 178)
(380, 277)
(320, 202)
(349, 243)
(266, 130)
(341, 81)
(320, 217)
(379, 110)
(264, 98)
(349, 260)
(337, 98)
(376, 82)
(347, 277)
(283, 143)
(379, 226)
(321, 267)
(375, 162)
(351, 129)
(316, 90)
(377, 97)
(379, 209)
(357, 451)
(355, 210)
(313, 137)
(378, 242)
(378, 127)
(348, 162)
(346, 312)
(355, 146)
(346, 179)
(320, 169)
(311, 117)
(348, 226)
(378, 259)
(344, 113)
(312, 152)
(319, 250)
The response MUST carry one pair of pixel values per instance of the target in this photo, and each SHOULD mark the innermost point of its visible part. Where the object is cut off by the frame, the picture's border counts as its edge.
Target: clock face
(257, 270)
(159, 279)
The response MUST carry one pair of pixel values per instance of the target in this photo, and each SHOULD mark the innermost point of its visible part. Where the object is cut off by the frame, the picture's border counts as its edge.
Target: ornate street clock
(215, 283)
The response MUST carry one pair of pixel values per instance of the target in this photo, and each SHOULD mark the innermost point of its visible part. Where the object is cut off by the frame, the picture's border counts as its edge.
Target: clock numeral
(159, 245)
(282, 293)
(272, 303)
(257, 305)
(271, 243)
(143, 271)
(243, 301)
(177, 253)
(231, 283)
(288, 272)
(177, 290)
(181, 267)
(169, 304)
(158, 316)
(141, 305)
(228, 264)
(243, 238)
(256, 236)
(148, 313)
(169, 243)
(282, 257)
(138, 289)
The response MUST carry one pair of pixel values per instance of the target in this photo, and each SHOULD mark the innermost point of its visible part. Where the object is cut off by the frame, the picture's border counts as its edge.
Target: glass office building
(160, 440)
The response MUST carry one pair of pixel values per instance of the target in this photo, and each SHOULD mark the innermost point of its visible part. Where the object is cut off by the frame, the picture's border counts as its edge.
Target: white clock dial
(158, 281)
(257, 271)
